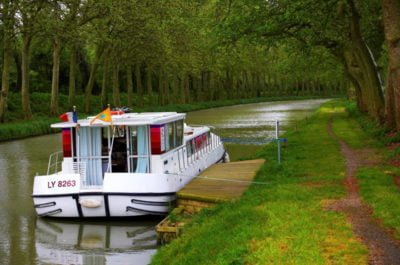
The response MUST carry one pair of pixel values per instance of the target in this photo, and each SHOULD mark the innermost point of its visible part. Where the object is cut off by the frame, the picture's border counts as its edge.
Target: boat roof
(129, 119)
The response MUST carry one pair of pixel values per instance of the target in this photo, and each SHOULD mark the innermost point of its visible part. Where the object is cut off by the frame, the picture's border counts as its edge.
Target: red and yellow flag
(105, 115)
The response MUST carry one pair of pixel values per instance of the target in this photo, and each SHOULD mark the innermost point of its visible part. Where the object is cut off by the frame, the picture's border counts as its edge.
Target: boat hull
(99, 204)
(121, 194)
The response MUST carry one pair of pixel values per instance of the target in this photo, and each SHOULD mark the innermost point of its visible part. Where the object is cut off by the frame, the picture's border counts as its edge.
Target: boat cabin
(125, 146)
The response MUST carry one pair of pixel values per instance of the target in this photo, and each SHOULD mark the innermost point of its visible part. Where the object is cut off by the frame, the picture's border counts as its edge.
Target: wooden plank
(221, 182)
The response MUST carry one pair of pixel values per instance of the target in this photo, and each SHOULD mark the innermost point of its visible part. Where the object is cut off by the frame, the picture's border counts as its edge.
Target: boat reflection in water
(94, 243)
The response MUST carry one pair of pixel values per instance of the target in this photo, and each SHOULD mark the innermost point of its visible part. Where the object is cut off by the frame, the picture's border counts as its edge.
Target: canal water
(26, 239)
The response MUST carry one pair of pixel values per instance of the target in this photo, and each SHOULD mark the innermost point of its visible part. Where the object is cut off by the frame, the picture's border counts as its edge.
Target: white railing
(55, 161)
(55, 165)
(80, 168)
(185, 160)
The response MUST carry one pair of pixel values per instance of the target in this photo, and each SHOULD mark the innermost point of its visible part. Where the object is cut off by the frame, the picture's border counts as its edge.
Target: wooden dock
(219, 183)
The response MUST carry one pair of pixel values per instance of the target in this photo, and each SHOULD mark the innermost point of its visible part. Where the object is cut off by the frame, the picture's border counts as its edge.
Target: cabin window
(179, 133)
(174, 137)
(139, 149)
(166, 137)
(171, 136)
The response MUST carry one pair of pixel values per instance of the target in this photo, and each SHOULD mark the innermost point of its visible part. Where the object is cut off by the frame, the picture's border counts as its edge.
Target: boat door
(119, 160)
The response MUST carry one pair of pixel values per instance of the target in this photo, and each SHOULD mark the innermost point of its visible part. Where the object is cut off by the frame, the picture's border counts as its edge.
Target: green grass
(283, 222)
(23, 129)
(378, 190)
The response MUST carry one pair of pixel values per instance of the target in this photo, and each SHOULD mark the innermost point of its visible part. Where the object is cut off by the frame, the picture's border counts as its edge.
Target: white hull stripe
(151, 203)
(50, 213)
(44, 205)
(133, 209)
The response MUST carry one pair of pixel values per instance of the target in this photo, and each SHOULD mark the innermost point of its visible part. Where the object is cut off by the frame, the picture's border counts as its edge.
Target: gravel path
(383, 247)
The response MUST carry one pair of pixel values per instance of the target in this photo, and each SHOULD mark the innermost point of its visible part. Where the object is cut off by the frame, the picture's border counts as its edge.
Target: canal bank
(40, 124)
(289, 221)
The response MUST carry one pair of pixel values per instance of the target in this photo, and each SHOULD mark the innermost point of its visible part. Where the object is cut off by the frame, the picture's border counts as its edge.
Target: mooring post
(278, 140)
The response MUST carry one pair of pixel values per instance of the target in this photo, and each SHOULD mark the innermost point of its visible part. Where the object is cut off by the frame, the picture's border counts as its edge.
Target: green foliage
(181, 45)
(367, 124)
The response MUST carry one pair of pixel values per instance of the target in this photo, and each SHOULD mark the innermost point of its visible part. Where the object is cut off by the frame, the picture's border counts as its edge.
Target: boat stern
(51, 193)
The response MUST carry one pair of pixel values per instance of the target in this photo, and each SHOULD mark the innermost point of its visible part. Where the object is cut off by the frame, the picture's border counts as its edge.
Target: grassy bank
(18, 128)
(285, 221)
(22, 129)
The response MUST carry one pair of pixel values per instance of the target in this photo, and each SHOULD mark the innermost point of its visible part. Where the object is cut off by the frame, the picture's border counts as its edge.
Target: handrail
(213, 142)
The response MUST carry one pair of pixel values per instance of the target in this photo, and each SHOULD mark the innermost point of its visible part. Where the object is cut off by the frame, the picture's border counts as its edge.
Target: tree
(391, 19)
(90, 83)
(335, 25)
(8, 11)
(29, 14)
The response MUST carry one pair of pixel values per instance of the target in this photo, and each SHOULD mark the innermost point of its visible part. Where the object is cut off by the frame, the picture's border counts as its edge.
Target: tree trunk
(115, 86)
(139, 87)
(211, 85)
(55, 77)
(234, 90)
(368, 76)
(18, 67)
(8, 23)
(181, 96)
(104, 82)
(25, 97)
(129, 85)
(186, 88)
(90, 83)
(161, 85)
(5, 85)
(149, 85)
(72, 76)
(173, 90)
(391, 20)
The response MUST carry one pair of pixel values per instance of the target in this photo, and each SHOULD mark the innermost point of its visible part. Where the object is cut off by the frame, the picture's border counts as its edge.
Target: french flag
(69, 117)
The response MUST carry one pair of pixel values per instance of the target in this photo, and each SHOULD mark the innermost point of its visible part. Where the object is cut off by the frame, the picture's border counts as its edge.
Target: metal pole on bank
(278, 140)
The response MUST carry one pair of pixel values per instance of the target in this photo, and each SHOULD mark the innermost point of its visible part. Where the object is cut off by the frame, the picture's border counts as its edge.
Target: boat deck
(221, 182)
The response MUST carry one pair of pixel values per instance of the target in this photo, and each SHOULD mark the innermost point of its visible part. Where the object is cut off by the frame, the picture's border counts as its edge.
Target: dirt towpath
(383, 247)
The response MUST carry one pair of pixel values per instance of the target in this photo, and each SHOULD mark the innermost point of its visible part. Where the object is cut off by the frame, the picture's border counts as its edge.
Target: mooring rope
(234, 180)
(223, 179)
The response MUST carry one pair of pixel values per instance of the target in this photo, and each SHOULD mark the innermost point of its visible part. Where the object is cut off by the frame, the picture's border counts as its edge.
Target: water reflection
(19, 160)
(246, 127)
(94, 243)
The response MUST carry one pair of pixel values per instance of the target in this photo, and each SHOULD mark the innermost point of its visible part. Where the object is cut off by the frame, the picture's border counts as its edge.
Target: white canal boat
(128, 164)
